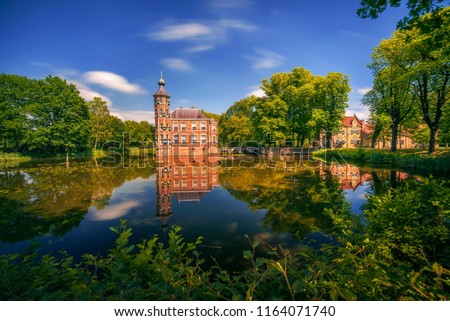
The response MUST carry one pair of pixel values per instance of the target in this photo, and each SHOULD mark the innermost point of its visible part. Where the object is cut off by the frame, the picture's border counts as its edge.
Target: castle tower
(163, 126)
(163, 148)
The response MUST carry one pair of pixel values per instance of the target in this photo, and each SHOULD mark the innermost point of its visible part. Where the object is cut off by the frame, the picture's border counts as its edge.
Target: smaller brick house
(350, 135)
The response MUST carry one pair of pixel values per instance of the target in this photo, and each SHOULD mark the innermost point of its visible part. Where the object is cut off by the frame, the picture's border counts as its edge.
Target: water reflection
(183, 178)
(52, 197)
(281, 201)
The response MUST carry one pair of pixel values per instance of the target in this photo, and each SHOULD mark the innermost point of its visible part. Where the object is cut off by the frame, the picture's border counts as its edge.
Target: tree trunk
(95, 144)
(376, 134)
(328, 138)
(433, 139)
(394, 136)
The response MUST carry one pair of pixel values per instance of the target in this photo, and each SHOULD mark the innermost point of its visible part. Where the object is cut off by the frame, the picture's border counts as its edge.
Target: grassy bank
(405, 158)
(13, 157)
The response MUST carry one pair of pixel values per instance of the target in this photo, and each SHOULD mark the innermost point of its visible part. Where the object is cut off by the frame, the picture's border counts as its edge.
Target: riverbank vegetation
(399, 251)
(405, 158)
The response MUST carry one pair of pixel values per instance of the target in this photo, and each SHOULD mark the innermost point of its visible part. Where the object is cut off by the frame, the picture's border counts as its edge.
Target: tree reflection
(53, 198)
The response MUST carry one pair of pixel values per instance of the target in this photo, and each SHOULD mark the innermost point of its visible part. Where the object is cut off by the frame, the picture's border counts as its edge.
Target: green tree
(392, 91)
(417, 8)
(423, 58)
(140, 133)
(210, 115)
(236, 124)
(15, 99)
(331, 96)
(381, 125)
(100, 121)
(58, 118)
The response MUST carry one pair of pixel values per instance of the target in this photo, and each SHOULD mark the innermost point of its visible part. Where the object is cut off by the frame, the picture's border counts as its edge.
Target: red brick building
(356, 133)
(186, 150)
(186, 131)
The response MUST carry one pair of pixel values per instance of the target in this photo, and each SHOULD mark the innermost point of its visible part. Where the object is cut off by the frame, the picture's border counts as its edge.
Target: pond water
(71, 205)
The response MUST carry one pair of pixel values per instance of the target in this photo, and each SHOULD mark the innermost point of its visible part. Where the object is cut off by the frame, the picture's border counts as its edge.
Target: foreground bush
(400, 252)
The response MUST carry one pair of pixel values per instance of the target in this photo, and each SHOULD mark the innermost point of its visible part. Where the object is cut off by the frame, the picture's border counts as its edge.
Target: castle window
(194, 126)
(214, 129)
(203, 171)
(183, 139)
(203, 126)
(184, 184)
(203, 183)
(194, 172)
(214, 139)
(194, 183)
(194, 139)
(175, 139)
(203, 139)
(175, 126)
(183, 126)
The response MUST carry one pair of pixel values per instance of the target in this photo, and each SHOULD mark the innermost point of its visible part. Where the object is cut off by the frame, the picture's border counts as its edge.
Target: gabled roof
(347, 121)
(187, 113)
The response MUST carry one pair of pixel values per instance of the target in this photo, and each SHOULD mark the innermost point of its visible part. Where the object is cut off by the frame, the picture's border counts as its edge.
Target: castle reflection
(182, 178)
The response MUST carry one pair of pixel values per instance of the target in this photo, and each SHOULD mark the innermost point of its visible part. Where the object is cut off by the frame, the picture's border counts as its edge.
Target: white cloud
(87, 93)
(266, 59)
(255, 91)
(236, 24)
(177, 64)
(363, 90)
(202, 35)
(112, 81)
(113, 212)
(187, 31)
(199, 48)
(136, 115)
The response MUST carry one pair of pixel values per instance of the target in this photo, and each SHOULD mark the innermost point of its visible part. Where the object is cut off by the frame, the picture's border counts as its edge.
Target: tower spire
(161, 81)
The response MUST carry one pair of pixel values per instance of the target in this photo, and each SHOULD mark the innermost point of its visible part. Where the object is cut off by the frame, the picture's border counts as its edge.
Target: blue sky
(214, 52)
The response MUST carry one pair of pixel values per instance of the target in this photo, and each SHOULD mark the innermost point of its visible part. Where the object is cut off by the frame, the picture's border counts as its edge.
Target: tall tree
(392, 90)
(16, 94)
(236, 124)
(423, 57)
(296, 90)
(100, 121)
(331, 95)
(58, 118)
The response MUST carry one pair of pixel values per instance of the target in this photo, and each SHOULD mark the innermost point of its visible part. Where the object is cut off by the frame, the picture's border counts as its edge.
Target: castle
(186, 131)
(186, 151)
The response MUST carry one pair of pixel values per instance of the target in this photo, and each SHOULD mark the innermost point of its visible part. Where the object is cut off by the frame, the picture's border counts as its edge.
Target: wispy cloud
(363, 90)
(236, 24)
(201, 35)
(352, 33)
(112, 81)
(199, 48)
(266, 59)
(87, 93)
(187, 31)
(177, 64)
(255, 91)
(136, 115)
